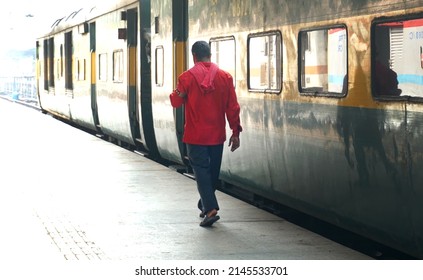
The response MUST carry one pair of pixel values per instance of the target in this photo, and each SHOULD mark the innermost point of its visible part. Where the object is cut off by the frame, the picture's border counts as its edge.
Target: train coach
(330, 93)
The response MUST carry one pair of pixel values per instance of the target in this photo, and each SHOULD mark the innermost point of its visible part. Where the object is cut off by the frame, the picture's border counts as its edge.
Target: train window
(397, 58)
(265, 62)
(60, 68)
(323, 61)
(118, 66)
(81, 69)
(223, 54)
(156, 25)
(102, 67)
(159, 74)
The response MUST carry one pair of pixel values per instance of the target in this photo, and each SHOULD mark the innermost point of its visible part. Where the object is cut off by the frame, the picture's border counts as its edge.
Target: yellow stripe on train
(132, 62)
(180, 58)
(93, 68)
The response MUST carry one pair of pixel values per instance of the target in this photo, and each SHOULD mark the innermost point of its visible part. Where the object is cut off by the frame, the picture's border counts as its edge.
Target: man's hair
(201, 49)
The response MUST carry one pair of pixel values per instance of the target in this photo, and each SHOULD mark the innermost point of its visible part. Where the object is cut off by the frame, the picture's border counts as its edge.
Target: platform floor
(65, 194)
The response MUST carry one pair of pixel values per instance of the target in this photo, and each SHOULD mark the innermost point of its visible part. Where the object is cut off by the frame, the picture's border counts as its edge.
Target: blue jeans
(206, 161)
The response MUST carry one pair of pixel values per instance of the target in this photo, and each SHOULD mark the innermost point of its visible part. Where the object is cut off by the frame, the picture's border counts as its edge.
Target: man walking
(209, 96)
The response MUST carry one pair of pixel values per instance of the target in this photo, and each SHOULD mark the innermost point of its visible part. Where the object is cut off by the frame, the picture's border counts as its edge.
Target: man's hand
(234, 143)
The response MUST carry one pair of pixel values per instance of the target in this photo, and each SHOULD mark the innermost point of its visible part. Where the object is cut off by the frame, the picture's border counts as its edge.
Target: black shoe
(209, 221)
(200, 207)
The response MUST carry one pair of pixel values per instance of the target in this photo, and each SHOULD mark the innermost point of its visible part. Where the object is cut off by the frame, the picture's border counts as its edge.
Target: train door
(132, 41)
(180, 37)
(38, 71)
(68, 61)
(168, 47)
(45, 99)
(51, 63)
(93, 77)
(146, 127)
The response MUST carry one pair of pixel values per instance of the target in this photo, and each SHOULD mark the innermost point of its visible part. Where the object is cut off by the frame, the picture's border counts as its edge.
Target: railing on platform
(20, 88)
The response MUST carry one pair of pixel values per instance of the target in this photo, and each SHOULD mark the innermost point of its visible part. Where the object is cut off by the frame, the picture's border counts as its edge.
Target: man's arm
(178, 96)
(232, 114)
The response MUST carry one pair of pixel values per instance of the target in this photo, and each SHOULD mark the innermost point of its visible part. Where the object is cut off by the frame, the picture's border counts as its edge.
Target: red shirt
(210, 96)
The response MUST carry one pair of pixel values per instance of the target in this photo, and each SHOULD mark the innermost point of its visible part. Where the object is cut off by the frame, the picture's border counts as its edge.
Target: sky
(22, 20)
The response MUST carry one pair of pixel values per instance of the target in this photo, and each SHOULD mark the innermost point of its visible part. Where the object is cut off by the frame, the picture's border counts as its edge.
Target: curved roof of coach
(83, 15)
(64, 22)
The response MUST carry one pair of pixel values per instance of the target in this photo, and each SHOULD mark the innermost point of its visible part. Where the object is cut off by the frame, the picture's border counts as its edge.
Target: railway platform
(86, 198)
(68, 195)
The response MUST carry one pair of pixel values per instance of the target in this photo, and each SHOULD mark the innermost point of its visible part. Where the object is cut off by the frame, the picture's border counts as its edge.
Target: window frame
(310, 92)
(81, 69)
(374, 23)
(118, 66)
(102, 69)
(279, 62)
(222, 39)
(159, 77)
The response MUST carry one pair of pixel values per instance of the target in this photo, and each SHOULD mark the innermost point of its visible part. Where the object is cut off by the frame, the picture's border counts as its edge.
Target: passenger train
(331, 96)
